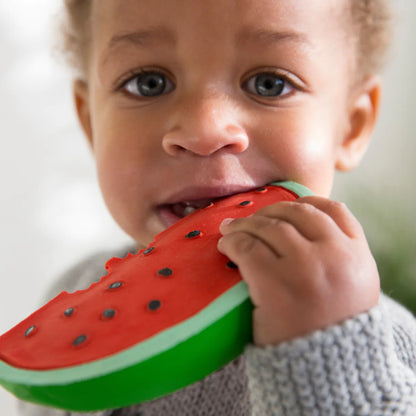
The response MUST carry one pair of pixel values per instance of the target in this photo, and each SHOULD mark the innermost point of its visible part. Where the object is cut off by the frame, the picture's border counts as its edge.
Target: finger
(312, 223)
(315, 217)
(280, 236)
(257, 263)
(338, 212)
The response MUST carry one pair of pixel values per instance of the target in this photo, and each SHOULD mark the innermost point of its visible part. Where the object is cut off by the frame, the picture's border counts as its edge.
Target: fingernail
(226, 221)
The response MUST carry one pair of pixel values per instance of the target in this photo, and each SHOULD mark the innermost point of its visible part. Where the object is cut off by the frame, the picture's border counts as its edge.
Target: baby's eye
(148, 84)
(268, 85)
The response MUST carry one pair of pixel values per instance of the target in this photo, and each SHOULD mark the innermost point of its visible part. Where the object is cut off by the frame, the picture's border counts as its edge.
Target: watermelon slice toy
(157, 322)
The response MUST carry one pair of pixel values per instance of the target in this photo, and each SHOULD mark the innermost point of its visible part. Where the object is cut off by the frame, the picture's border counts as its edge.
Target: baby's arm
(307, 264)
(362, 367)
(323, 363)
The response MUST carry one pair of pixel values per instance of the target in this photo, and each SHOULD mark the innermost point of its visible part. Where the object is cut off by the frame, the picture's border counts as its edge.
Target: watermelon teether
(159, 321)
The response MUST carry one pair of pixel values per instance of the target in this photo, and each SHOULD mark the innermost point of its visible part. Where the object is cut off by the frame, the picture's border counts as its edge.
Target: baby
(185, 101)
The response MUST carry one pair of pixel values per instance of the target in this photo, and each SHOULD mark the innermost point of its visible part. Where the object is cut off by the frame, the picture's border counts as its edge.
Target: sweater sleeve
(364, 366)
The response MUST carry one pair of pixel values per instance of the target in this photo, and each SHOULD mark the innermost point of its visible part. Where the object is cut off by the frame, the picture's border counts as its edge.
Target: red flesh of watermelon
(176, 277)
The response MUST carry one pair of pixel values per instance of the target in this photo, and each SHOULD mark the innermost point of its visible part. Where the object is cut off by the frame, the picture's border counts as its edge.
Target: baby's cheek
(117, 194)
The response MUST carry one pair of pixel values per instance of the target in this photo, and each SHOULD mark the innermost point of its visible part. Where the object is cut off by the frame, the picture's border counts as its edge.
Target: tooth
(188, 210)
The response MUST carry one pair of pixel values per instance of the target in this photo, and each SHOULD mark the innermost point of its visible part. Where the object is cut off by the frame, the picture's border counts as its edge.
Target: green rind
(295, 187)
(139, 373)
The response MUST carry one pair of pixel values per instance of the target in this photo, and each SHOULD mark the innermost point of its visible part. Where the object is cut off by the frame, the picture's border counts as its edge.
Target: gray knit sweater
(364, 366)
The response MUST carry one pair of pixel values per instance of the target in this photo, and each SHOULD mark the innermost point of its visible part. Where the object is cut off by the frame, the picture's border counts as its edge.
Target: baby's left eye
(268, 85)
(148, 84)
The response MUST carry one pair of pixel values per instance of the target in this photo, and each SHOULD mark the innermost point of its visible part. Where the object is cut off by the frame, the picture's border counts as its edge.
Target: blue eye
(148, 84)
(268, 85)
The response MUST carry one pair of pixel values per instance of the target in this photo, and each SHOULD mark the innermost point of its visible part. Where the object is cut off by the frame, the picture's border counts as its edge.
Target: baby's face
(191, 100)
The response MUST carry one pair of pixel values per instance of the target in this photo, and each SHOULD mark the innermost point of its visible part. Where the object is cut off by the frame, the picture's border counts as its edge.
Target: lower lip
(167, 216)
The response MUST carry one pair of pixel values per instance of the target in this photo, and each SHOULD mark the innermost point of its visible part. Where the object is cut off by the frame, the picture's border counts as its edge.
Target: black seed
(115, 285)
(79, 340)
(154, 305)
(69, 311)
(30, 331)
(109, 313)
(231, 265)
(148, 251)
(165, 272)
(261, 190)
(193, 234)
(245, 203)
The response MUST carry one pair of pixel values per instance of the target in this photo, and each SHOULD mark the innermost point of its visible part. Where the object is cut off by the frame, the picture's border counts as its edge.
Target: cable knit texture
(349, 369)
(363, 367)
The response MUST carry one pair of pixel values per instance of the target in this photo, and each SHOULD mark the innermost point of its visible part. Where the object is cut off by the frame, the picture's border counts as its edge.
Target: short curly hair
(75, 34)
(369, 24)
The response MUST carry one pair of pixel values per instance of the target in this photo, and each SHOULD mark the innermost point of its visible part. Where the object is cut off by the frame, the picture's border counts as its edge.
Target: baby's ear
(363, 111)
(82, 105)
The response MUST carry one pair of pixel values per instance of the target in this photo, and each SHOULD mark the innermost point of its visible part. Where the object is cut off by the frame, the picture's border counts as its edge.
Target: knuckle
(237, 242)
(283, 227)
(265, 224)
(244, 243)
(260, 222)
(304, 208)
(337, 206)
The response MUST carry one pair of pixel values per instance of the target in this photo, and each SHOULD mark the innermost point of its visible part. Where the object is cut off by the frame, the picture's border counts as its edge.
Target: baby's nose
(205, 126)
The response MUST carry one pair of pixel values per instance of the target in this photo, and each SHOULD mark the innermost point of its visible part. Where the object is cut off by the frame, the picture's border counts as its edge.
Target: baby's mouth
(187, 201)
(171, 213)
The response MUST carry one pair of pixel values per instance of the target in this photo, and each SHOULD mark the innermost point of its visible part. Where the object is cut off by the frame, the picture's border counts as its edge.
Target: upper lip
(198, 193)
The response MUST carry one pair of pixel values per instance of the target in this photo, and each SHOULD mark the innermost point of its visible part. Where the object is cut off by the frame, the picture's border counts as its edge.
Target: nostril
(204, 139)
(172, 143)
(174, 149)
(237, 139)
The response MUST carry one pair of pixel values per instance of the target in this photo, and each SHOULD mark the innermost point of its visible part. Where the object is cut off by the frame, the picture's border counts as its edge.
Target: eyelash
(287, 78)
(289, 81)
(121, 83)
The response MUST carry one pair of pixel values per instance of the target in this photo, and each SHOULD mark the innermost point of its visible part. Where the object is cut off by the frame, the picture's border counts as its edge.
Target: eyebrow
(140, 38)
(143, 38)
(271, 37)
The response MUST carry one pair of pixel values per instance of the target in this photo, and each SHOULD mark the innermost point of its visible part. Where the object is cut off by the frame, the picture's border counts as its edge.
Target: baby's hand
(307, 265)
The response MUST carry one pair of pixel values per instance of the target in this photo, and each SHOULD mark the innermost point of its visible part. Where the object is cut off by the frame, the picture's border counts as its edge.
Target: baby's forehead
(217, 19)
(364, 24)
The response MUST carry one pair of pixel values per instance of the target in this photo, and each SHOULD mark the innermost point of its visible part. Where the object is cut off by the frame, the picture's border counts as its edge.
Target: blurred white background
(51, 210)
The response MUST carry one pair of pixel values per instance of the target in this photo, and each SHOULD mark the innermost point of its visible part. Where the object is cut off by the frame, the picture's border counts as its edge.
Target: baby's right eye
(148, 84)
